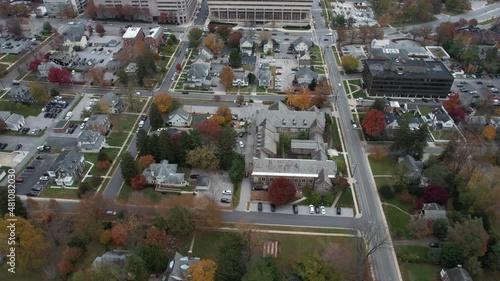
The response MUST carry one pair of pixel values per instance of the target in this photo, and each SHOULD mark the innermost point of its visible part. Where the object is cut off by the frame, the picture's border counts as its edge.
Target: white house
(91, 141)
(267, 46)
(13, 121)
(164, 174)
(246, 46)
(240, 79)
(440, 119)
(302, 44)
(205, 51)
(305, 76)
(75, 35)
(180, 118)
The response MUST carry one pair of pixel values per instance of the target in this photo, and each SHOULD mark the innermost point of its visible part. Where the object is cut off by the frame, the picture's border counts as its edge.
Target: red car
(19, 180)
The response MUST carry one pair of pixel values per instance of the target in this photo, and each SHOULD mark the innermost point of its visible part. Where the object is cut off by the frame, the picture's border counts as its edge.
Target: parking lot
(303, 210)
(219, 181)
(32, 176)
(362, 17)
(284, 73)
(16, 45)
(85, 103)
(97, 54)
(471, 89)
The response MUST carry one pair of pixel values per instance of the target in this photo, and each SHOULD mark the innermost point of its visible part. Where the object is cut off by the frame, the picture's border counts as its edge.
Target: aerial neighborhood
(249, 140)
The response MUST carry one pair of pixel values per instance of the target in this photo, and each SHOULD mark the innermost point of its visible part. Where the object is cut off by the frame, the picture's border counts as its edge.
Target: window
(303, 180)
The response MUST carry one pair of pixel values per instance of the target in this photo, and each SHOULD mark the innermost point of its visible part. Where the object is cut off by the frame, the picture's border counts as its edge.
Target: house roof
(413, 165)
(97, 120)
(179, 266)
(198, 70)
(433, 211)
(305, 71)
(293, 167)
(112, 99)
(89, 139)
(115, 258)
(155, 32)
(245, 39)
(66, 161)
(132, 32)
(75, 32)
(181, 112)
(14, 118)
(164, 172)
(281, 116)
(458, 274)
(5, 114)
(301, 39)
(476, 120)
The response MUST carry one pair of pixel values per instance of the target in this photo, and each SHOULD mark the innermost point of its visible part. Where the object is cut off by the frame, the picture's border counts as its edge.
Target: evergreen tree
(165, 146)
(185, 144)
(409, 142)
(154, 146)
(155, 118)
(129, 168)
(237, 169)
(225, 147)
(230, 264)
(235, 58)
(313, 85)
(378, 104)
(142, 143)
(196, 138)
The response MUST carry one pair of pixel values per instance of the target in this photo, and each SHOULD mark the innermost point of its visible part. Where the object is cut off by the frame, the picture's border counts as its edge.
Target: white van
(141, 124)
(69, 115)
(241, 144)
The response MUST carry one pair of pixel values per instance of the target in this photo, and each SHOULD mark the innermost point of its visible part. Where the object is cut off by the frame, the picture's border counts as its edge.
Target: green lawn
(59, 193)
(9, 58)
(116, 138)
(25, 110)
(397, 222)
(337, 142)
(346, 199)
(32, 76)
(382, 167)
(418, 251)
(123, 122)
(424, 109)
(385, 180)
(419, 272)
(358, 94)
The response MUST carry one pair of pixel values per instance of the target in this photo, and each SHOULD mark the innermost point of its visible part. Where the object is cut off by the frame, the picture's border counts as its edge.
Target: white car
(412, 99)
(111, 213)
(82, 126)
(311, 209)
(227, 192)
(137, 93)
(161, 129)
(323, 210)
(44, 178)
(241, 144)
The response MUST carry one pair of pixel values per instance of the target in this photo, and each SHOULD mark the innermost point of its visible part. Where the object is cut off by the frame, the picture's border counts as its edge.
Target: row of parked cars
(54, 107)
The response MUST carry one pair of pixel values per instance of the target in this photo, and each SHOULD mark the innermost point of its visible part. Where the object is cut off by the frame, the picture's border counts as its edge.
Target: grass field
(9, 58)
(65, 193)
(382, 167)
(397, 221)
(24, 110)
(116, 138)
(337, 142)
(419, 272)
(123, 122)
(424, 109)
(346, 199)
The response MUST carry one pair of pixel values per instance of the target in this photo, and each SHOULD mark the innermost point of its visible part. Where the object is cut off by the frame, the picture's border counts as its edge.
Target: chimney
(294, 122)
(190, 255)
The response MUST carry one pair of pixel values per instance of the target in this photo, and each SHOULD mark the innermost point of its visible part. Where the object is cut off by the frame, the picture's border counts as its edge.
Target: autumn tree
(65, 267)
(234, 39)
(13, 26)
(445, 32)
(223, 31)
(145, 161)
(383, 20)
(157, 236)
(138, 182)
(225, 112)
(119, 233)
(350, 63)
(281, 191)
(489, 132)
(214, 43)
(210, 130)
(433, 194)
(203, 158)
(105, 237)
(59, 75)
(202, 271)
(194, 37)
(300, 100)
(30, 244)
(164, 102)
(34, 65)
(96, 75)
(374, 123)
(226, 77)
(91, 9)
(39, 94)
(99, 29)
(470, 234)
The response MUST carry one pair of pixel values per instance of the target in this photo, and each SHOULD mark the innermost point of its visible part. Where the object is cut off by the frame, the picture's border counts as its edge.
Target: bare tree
(252, 237)
(265, 35)
(13, 26)
(364, 33)
(373, 238)
(425, 32)
(352, 35)
(414, 32)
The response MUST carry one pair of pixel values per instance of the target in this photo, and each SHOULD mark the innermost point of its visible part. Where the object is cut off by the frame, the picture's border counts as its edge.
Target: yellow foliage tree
(489, 132)
(300, 100)
(219, 119)
(226, 77)
(350, 63)
(164, 102)
(214, 43)
(202, 271)
(106, 237)
(30, 244)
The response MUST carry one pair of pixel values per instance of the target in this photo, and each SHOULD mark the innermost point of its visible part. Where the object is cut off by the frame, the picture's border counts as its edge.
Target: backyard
(383, 167)
(123, 122)
(25, 110)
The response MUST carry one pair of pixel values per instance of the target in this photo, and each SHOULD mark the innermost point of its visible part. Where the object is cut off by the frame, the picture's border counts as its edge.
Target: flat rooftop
(131, 32)
(433, 69)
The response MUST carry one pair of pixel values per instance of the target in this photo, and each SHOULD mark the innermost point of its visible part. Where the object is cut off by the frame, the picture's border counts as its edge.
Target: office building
(261, 12)
(406, 78)
(180, 11)
(54, 8)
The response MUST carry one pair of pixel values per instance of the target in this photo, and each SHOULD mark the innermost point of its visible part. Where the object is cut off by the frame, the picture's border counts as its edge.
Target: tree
(210, 129)
(135, 267)
(373, 237)
(99, 29)
(234, 39)
(128, 167)
(383, 20)
(378, 104)
(59, 75)
(226, 77)
(20, 209)
(145, 61)
(374, 123)
(13, 26)
(223, 31)
(138, 182)
(34, 65)
(90, 211)
(178, 67)
(157, 236)
(106, 237)
(237, 169)
(452, 254)
(105, 272)
(180, 221)
(119, 233)
(153, 255)
(440, 228)
(39, 93)
(473, 22)
(472, 237)
(65, 267)
(91, 9)
(409, 142)
(235, 58)
(122, 77)
(434, 194)
(313, 84)
(281, 191)
(203, 270)
(225, 147)
(300, 100)
(251, 78)
(445, 32)
(145, 161)
(155, 118)
(231, 265)
(47, 28)
(194, 37)
(30, 243)
(489, 132)
(341, 183)
(311, 267)
(96, 75)
(164, 102)
(263, 269)
(214, 43)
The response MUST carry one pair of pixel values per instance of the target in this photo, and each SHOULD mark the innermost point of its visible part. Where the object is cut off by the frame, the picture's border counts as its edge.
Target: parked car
(4, 145)
(19, 146)
(44, 178)
(435, 245)
(339, 211)
(225, 200)
(247, 174)
(32, 193)
(425, 100)
(311, 209)
(194, 176)
(39, 157)
(227, 192)
(30, 167)
(37, 188)
(111, 213)
(295, 209)
(273, 208)
(19, 180)
(316, 209)
(259, 206)
(323, 210)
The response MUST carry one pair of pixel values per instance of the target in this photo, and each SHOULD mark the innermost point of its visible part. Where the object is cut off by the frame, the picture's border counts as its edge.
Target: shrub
(386, 191)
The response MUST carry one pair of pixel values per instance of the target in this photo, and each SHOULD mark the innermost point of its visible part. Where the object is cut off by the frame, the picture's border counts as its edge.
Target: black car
(316, 209)
(295, 209)
(225, 200)
(425, 100)
(71, 130)
(19, 146)
(241, 134)
(30, 167)
(259, 206)
(339, 211)
(194, 176)
(436, 100)
(32, 193)
(185, 92)
(273, 208)
(46, 115)
(4, 145)
(39, 157)
(435, 245)
(144, 117)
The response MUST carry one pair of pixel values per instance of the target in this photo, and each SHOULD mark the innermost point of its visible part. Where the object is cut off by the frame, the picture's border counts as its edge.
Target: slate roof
(293, 167)
(245, 39)
(90, 140)
(264, 77)
(282, 117)
(66, 161)
(197, 71)
(178, 267)
(458, 274)
(75, 32)
(476, 120)
(304, 40)
(163, 173)
(113, 100)
(306, 71)
(415, 168)
(114, 258)
(433, 211)
(97, 120)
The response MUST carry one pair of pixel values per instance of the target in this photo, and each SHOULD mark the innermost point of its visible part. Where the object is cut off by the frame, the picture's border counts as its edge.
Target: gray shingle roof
(97, 120)
(75, 32)
(286, 118)
(163, 173)
(306, 71)
(302, 39)
(293, 167)
(90, 140)
(198, 71)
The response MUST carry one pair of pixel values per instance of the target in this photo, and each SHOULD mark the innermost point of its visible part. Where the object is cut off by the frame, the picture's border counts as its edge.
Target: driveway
(32, 176)
(85, 102)
(219, 181)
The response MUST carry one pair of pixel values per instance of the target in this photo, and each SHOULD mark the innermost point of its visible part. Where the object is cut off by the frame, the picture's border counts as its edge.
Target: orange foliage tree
(164, 102)
(157, 236)
(119, 233)
(214, 43)
(65, 267)
(103, 165)
(138, 182)
(225, 112)
(374, 122)
(203, 270)
(489, 132)
(300, 100)
(145, 161)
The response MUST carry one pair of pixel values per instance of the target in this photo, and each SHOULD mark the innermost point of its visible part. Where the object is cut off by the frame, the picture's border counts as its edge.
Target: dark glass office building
(406, 78)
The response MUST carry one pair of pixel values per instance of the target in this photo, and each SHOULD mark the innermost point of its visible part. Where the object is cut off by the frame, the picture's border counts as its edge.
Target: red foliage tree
(473, 22)
(433, 194)
(281, 191)
(374, 122)
(65, 267)
(451, 102)
(100, 29)
(91, 9)
(234, 38)
(457, 114)
(210, 129)
(34, 65)
(61, 76)
(445, 32)
(178, 67)
(212, 27)
(138, 182)
(453, 107)
(47, 56)
(157, 236)
(119, 233)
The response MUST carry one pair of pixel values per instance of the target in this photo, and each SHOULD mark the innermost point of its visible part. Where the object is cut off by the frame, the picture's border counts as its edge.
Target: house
(132, 35)
(91, 141)
(113, 258)
(179, 118)
(44, 67)
(267, 46)
(21, 94)
(205, 51)
(164, 174)
(495, 122)
(61, 59)
(177, 268)
(13, 121)
(264, 78)
(114, 103)
(154, 37)
(240, 79)
(455, 274)
(99, 123)
(305, 75)
(433, 211)
(131, 69)
(68, 51)
(440, 119)
(67, 168)
(75, 35)
(203, 183)
(376, 44)
(246, 46)
(476, 122)
(415, 168)
(415, 123)
(302, 44)
(197, 74)
(61, 126)
(391, 121)
(304, 58)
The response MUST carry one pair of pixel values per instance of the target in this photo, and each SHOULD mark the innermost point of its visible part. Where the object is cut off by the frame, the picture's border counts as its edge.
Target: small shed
(61, 126)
